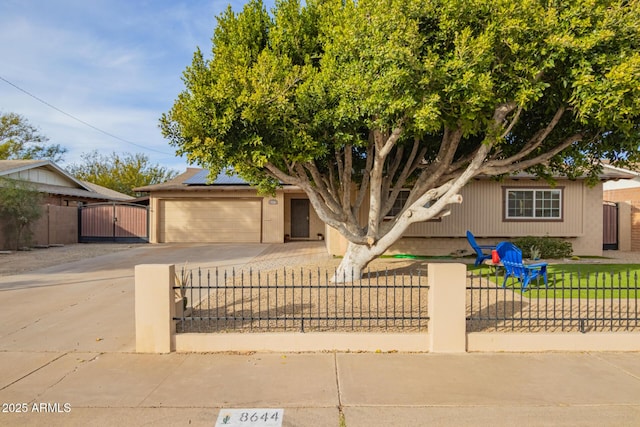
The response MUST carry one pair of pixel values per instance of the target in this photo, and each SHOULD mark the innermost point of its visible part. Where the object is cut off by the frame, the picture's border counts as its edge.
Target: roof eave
(48, 164)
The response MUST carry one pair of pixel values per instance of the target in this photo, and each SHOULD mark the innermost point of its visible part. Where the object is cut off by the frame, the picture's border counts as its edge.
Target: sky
(115, 65)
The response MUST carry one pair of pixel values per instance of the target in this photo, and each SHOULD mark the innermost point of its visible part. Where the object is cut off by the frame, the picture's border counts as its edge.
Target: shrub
(20, 207)
(549, 247)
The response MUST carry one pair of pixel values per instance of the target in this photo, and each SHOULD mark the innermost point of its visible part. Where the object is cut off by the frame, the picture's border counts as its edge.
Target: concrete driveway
(88, 305)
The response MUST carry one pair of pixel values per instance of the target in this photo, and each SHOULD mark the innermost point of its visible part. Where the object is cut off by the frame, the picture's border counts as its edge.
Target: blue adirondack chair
(481, 255)
(511, 258)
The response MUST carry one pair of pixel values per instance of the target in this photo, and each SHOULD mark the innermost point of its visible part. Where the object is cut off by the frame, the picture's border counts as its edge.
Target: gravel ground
(24, 261)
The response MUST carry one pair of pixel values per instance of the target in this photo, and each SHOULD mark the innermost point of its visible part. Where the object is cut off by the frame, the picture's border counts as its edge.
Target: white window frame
(537, 200)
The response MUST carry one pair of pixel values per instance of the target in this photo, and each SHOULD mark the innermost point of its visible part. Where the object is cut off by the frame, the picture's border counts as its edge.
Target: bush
(20, 207)
(549, 247)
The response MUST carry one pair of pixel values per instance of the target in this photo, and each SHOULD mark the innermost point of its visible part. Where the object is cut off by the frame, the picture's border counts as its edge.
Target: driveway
(88, 305)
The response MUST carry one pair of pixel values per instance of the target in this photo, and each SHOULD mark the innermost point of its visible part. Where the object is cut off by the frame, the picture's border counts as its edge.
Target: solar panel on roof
(198, 179)
(201, 178)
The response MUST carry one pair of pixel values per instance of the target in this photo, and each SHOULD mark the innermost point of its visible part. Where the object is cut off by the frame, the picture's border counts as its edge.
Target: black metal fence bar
(570, 302)
(291, 300)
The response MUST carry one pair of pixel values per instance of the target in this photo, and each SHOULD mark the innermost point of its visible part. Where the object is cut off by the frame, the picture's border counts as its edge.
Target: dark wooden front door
(299, 218)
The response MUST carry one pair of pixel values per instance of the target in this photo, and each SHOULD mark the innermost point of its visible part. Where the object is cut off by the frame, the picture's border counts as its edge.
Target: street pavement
(67, 358)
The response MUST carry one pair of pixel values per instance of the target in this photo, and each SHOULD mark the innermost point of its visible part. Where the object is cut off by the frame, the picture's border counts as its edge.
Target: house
(59, 187)
(503, 210)
(62, 192)
(189, 208)
(625, 195)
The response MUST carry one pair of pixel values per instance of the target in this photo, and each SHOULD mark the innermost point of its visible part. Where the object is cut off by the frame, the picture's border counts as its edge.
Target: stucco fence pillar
(155, 305)
(447, 308)
(155, 308)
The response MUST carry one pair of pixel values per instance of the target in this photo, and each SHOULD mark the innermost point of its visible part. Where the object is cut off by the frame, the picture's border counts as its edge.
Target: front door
(300, 218)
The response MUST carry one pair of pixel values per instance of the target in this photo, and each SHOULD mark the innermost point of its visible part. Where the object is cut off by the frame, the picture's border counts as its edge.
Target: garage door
(210, 220)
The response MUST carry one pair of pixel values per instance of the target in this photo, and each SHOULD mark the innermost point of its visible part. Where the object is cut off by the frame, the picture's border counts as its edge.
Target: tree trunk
(355, 260)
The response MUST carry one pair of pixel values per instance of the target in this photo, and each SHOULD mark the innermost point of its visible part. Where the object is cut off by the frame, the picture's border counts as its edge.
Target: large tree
(353, 101)
(120, 172)
(19, 140)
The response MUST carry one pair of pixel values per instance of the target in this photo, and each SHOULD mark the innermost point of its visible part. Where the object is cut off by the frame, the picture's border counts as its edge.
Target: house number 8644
(255, 417)
(250, 417)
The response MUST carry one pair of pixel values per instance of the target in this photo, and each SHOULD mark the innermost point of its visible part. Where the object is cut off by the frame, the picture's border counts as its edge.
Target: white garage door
(210, 220)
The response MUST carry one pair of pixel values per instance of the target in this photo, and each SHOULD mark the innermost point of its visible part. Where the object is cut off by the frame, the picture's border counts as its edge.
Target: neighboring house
(62, 192)
(626, 194)
(59, 187)
(191, 209)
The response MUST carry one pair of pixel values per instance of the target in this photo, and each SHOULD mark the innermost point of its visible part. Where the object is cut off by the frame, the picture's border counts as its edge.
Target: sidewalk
(560, 389)
(66, 345)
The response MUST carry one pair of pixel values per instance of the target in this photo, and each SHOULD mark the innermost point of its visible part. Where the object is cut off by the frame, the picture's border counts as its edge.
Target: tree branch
(364, 185)
(278, 174)
(391, 141)
(409, 167)
(346, 178)
(339, 163)
(499, 116)
(447, 193)
(431, 175)
(533, 143)
(332, 179)
(388, 179)
(331, 201)
(381, 152)
(492, 170)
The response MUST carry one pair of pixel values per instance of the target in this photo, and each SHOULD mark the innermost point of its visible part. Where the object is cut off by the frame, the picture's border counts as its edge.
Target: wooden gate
(113, 222)
(610, 226)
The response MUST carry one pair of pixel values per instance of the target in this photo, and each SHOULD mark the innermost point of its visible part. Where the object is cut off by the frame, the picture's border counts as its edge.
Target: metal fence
(301, 300)
(305, 300)
(569, 302)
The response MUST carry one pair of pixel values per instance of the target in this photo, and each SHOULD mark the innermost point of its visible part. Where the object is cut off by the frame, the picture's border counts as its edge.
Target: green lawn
(578, 281)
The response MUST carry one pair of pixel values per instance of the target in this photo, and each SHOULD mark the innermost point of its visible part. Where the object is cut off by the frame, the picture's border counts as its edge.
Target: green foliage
(364, 96)
(547, 247)
(19, 140)
(121, 173)
(296, 85)
(20, 206)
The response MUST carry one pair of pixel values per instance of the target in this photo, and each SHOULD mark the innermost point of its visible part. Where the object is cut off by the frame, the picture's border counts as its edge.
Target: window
(403, 195)
(402, 198)
(533, 204)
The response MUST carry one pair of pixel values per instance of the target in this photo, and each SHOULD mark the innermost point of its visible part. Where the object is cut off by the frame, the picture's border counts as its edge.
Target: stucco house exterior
(191, 209)
(503, 210)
